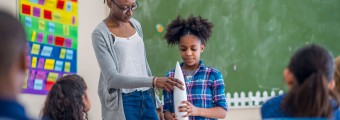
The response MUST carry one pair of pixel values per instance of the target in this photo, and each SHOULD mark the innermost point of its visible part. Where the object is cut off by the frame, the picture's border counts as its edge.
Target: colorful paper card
(68, 43)
(36, 12)
(24, 85)
(41, 75)
(34, 62)
(66, 29)
(28, 22)
(32, 75)
(46, 51)
(59, 41)
(34, 34)
(62, 53)
(34, 1)
(41, 2)
(30, 84)
(69, 6)
(40, 37)
(73, 20)
(56, 16)
(26, 9)
(41, 25)
(38, 84)
(51, 3)
(69, 54)
(50, 39)
(41, 63)
(67, 67)
(51, 27)
(60, 4)
(49, 85)
(52, 77)
(35, 49)
(28, 61)
(58, 65)
(49, 64)
(47, 14)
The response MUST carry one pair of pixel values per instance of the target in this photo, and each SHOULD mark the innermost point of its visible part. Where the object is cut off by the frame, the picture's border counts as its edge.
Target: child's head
(122, 10)
(311, 62)
(191, 36)
(68, 98)
(337, 74)
(310, 77)
(12, 55)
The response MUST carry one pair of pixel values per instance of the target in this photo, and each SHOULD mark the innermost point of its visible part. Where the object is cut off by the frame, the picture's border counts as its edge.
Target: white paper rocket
(180, 95)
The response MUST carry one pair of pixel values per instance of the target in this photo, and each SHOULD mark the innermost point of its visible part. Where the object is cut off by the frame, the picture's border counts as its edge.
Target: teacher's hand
(168, 83)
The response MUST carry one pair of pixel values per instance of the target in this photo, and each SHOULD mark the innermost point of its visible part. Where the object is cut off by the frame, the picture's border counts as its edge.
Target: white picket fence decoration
(240, 100)
(243, 101)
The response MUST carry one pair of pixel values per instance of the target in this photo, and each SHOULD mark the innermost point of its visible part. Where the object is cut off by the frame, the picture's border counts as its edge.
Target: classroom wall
(91, 12)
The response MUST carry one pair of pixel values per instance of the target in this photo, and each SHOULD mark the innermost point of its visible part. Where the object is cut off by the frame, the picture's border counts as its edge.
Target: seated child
(309, 77)
(68, 99)
(12, 67)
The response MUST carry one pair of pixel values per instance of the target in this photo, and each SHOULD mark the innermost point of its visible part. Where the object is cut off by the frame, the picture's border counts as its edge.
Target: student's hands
(160, 113)
(191, 109)
(169, 116)
(168, 83)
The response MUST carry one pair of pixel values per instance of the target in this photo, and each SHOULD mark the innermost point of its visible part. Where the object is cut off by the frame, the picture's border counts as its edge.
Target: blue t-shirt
(272, 109)
(12, 110)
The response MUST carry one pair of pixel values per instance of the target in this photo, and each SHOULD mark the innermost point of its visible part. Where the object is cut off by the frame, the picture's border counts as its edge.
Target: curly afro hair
(64, 101)
(196, 26)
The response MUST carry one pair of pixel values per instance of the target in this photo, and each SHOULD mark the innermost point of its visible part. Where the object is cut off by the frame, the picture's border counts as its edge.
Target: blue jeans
(139, 105)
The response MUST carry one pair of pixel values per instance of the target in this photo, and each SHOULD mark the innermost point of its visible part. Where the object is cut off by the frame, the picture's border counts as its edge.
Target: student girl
(205, 86)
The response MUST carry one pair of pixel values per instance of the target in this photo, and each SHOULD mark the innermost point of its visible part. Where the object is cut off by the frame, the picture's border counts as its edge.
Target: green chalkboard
(257, 37)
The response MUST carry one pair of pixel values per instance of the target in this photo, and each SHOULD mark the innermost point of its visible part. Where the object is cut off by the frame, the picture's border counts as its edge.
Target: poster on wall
(52, 33)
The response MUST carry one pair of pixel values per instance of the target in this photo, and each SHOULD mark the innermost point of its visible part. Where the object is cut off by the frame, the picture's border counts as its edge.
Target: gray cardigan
(111, 81)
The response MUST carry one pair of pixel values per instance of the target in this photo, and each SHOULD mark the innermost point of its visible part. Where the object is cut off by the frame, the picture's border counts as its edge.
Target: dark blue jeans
(139, 105)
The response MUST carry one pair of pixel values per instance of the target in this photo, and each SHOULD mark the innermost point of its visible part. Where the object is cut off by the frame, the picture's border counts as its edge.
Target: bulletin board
(51, 27)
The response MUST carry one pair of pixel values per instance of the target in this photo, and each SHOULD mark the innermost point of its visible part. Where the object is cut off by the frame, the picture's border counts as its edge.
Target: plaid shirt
(205, 90)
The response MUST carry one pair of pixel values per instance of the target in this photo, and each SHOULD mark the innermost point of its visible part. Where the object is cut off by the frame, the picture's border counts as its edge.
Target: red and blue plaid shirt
(205, 90)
